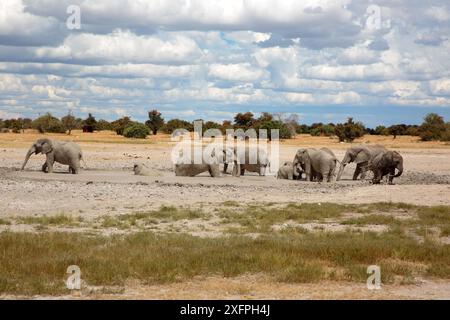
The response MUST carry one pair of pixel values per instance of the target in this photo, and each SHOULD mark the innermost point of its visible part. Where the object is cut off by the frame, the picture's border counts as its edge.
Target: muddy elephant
(384, 164)
(360, 154)
(140, 169)
(67, 153)
(318, 164)
(250, 158)
(287, 171)
(190, 169)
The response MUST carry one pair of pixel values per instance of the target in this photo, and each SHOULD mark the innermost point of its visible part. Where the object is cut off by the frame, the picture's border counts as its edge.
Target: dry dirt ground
(108, 187)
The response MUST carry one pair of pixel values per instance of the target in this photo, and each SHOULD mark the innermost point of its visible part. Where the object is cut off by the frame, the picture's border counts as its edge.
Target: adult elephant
(360, 154)
(67, 153)
(386, 163)
(315, 163)
(250, 158)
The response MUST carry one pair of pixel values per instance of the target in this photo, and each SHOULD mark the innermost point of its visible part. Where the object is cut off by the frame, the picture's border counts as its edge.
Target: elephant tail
(84, 162)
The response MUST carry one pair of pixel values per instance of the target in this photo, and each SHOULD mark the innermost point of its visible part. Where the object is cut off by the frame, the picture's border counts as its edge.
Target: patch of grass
(36, 263)
(445, 231)
(139, 219)
(257, 218)
(60, 219)
(438, 215)
(5, 222)
(374, 219)
(230, 204)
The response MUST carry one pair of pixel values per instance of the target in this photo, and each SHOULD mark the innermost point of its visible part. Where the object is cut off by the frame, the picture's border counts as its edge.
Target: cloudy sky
(381, 61)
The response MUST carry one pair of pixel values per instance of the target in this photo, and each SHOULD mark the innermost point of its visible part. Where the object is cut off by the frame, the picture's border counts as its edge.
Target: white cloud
(236, 72)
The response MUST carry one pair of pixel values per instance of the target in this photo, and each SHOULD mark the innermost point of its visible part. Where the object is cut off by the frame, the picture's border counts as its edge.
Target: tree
(350, 130)
(120, 125)
(48, 123)
(381, 130)
(174, 124)
(69, 122)
(103, 125)
(89, 124)
(432, 128)
(244, 120)
(136, 130)
(155, 121)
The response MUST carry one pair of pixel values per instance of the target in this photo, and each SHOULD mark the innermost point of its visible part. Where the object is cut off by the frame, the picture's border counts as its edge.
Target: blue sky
(381, 62)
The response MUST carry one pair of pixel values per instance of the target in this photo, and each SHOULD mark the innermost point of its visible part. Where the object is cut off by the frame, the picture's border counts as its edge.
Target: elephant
(68, 153)
(287, 171)
(315, 163)
(360, 154)
(141, 169)
(243, 157)
(192, 169)
(385, 163)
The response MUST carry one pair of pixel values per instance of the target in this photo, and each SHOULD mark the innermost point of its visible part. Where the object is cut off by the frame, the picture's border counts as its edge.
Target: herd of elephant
(316, 164)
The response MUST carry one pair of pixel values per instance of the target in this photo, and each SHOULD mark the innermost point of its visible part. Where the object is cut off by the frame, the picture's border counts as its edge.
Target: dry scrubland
(250, 237)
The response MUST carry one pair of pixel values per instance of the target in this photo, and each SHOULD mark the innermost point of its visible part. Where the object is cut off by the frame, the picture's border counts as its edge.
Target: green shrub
(433, 127)
(136, 130)
(48, 123)
(350, 130)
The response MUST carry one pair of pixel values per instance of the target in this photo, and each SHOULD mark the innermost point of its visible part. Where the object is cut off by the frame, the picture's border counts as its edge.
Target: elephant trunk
(400, 169)
(27, 157)
(344, 162)
(341, 170)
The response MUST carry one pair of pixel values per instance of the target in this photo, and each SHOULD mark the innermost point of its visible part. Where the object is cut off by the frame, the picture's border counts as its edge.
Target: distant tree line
(433, 127)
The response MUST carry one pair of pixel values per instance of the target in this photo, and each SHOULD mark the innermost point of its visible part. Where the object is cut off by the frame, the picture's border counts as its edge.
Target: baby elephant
(287, 171)
(385, 164)
(68, 153)
(141, 169)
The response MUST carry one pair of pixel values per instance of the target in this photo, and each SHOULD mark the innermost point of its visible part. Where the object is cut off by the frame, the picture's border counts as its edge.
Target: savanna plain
(249, 237)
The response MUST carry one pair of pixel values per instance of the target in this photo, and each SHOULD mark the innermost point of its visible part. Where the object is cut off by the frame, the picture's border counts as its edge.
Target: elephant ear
(362, 156)
(388, 158)
(47, 146)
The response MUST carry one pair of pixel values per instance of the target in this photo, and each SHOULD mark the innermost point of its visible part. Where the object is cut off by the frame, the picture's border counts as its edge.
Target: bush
(323, 130)
(174, 124)
(48, 123)
(119, 125)
(350, 130)
(136, 130)
(433, 127)
(284, 131)
(103, 125)
(155, 121)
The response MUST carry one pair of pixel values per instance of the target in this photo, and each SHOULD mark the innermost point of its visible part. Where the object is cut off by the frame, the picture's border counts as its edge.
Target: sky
(380, 62)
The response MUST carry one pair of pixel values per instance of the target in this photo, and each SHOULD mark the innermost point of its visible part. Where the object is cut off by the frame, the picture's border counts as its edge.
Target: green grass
(60, 219)
(36, 263)
(4, 222)
(257, 218)
(372, 219)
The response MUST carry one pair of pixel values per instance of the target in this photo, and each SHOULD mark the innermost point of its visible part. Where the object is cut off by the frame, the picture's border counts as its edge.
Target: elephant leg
(376, 177)
(357, 172)
(225, 167)
(291, 176)
(364, 169)
(44, 167)
(49, 162)
(242, 170)
(391, 176)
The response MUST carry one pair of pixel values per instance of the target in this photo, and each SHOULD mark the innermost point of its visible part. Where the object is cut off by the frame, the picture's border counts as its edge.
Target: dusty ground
(108, 187)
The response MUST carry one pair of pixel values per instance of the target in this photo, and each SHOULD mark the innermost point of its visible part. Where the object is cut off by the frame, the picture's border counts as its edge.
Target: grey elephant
(67, 153)
(287, 171)
(248, 158)
(360, 154)
(318, 164)
(384, 164)
(140, 169)
(212, 166)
